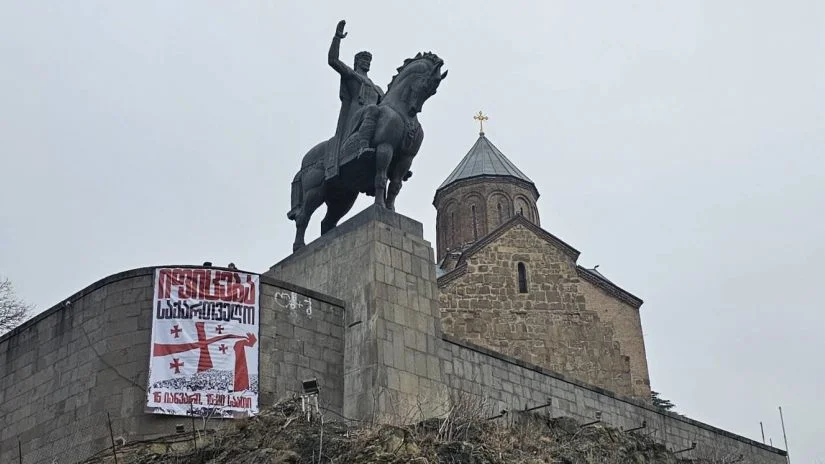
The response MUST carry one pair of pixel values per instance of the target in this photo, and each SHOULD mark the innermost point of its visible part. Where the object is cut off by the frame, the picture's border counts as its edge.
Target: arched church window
(475, 222)
(522, 278)
(500, 214)
(521, 210)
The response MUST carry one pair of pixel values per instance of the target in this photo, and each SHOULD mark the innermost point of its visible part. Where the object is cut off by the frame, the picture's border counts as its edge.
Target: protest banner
(204, 350)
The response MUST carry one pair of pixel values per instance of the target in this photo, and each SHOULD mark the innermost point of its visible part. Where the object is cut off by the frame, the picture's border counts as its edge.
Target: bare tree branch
(13, 310)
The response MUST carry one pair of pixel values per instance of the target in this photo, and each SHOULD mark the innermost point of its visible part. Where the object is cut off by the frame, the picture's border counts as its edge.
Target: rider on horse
(357, 93)
(385, 125)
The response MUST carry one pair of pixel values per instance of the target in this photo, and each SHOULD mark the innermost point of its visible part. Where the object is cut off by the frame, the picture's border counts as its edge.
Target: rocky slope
(283, 435)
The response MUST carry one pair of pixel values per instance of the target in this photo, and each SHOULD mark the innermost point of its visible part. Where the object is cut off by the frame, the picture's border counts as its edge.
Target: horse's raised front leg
(383, 157)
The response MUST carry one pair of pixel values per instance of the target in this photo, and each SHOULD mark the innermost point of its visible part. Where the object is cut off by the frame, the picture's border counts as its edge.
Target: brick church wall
(64, 370)
(627, 330)
(550, 325)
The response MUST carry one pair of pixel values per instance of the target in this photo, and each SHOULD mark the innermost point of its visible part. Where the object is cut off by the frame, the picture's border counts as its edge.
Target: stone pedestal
(379, 264)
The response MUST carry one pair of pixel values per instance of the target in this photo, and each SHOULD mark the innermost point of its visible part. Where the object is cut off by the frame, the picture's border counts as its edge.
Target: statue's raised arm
(334, 48)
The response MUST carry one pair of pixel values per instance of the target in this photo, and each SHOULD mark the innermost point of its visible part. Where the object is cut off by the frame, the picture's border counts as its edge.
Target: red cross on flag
(204, 355)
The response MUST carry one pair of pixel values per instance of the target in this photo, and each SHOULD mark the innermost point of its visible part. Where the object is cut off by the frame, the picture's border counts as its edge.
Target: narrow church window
(521, 210)
(475, 223)
(500, 214)
(522, 278)
(452, 227)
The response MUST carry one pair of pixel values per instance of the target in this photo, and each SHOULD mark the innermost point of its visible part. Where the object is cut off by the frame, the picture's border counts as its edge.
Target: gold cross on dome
(480, 117)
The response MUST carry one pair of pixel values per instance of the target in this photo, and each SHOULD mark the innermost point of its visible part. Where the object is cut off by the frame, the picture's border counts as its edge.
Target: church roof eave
(487, 178)
(596, 278)
(461, 266)
(518, 219)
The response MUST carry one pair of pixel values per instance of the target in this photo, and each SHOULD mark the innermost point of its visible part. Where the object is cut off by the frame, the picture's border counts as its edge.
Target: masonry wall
(504, 382)
(454, 219)
(627, 330)
(550, 325)
(63, 371)
(379, 263)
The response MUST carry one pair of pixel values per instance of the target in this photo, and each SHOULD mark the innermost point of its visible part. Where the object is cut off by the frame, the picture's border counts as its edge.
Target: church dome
(484, 159)
(480, 194)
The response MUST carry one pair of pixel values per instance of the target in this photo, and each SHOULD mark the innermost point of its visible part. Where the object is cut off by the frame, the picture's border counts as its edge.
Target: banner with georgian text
(204, 351)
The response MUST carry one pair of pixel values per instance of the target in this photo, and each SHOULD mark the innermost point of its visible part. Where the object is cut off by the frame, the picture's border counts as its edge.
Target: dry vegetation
(282, 435)
(13, 310)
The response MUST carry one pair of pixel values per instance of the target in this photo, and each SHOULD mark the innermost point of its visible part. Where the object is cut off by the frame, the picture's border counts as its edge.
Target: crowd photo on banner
(204, 350)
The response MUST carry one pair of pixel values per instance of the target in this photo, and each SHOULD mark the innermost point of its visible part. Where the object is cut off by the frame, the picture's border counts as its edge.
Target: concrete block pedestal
(379, 264)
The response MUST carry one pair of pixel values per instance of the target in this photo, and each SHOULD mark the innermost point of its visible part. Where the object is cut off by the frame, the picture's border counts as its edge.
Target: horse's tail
(297, 197)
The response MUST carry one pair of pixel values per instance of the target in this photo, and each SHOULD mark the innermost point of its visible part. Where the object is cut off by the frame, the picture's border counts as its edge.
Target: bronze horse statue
(393, 136)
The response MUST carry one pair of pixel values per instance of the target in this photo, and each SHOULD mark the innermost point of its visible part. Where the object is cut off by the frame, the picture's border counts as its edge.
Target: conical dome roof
(484, 159)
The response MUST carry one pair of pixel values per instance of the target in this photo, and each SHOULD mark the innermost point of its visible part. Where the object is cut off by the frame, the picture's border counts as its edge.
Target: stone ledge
(639, 404)
(150, 271)
(370, 214)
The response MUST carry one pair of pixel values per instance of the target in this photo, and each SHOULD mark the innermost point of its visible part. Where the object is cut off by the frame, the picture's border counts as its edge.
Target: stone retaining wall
(507, 383)
(64, 370)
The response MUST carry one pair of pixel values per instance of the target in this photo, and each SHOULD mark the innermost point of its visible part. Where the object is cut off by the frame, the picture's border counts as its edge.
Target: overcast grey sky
(679, 145)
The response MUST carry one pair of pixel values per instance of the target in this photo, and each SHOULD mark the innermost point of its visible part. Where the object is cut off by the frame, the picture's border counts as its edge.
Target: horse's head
(417, 80)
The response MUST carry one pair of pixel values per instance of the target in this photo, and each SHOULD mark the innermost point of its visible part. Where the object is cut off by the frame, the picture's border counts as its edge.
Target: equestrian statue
(375, 140)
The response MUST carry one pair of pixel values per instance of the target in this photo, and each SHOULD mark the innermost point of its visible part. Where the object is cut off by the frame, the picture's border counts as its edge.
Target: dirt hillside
(283, 435)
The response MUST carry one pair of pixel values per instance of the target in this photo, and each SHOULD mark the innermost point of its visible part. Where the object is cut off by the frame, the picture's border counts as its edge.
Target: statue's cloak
(349, 117)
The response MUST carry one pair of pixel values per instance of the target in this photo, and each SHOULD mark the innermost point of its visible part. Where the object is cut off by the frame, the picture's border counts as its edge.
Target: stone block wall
(301, 342)
(64, 370)
(550, 325)
(503, 382)
(378, 263)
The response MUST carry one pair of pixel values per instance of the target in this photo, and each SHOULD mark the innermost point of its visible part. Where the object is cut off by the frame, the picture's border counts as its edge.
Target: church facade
(513, 287)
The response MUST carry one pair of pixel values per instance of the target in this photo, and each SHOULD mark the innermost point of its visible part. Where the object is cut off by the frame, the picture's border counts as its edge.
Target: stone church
(511, 286)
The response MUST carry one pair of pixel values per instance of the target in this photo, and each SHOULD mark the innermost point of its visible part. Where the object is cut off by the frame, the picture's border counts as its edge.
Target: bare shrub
(13, 310)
